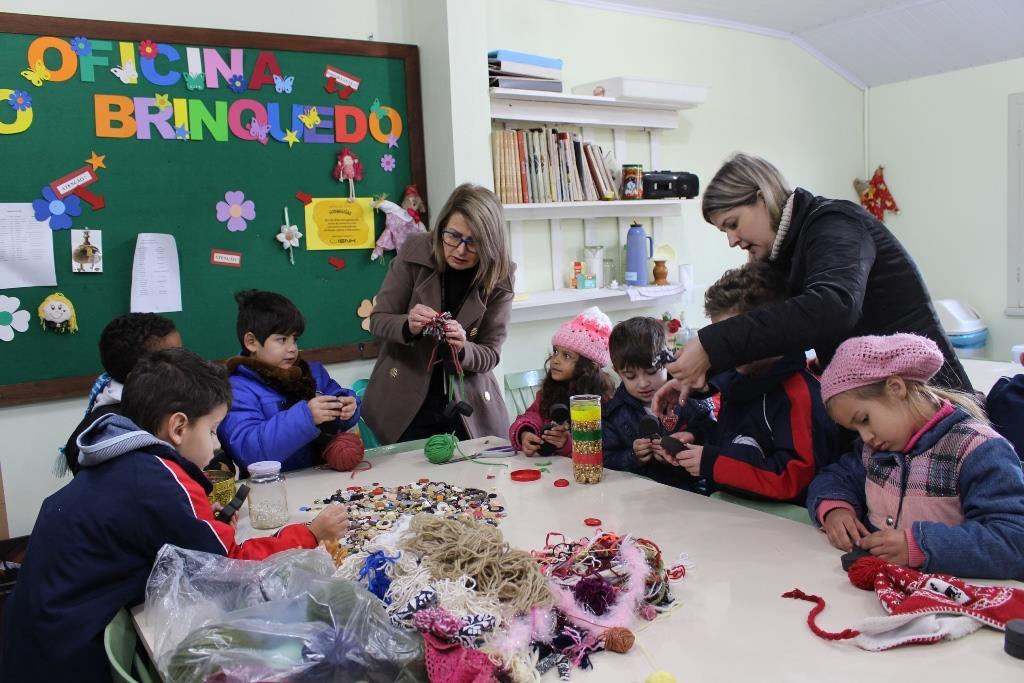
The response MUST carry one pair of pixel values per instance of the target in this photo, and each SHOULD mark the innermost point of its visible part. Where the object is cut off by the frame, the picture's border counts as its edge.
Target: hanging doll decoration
(399, 223)
(875, 196)
(57, 314)
(348, 168)
(413, 204)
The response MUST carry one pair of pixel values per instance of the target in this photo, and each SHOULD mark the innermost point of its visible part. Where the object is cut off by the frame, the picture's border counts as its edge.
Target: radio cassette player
(670, 185)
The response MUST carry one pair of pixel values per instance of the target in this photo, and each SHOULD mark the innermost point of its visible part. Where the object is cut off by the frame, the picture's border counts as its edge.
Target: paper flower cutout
(235, 210)
(364, 311)
(387, 162)
(237, 83)
(147, 49)
(20, 100)
(58, 211)
(80, 45)
(289, 236)
(162, 101)
(11, 319)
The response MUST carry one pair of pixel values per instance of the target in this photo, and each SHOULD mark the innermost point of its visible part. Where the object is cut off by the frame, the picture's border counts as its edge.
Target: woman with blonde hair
(848, 276)
(462, 267)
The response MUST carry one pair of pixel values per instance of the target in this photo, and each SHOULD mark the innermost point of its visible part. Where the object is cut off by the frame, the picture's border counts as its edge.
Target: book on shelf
(521, 83)
(524, 58)
(496, 68)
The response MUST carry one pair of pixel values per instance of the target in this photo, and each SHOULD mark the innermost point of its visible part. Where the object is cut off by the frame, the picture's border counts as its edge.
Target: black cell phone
(559, 415)
(228, 511)
(849, 558)
(649, 427)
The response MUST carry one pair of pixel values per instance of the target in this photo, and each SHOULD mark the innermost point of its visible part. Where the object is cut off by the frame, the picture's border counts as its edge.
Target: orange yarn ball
(619, 639)
(344, 452)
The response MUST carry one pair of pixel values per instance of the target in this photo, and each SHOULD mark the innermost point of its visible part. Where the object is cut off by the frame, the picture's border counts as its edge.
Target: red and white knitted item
(923, 608)
(586, 334)
(861, 361)
(453, 663)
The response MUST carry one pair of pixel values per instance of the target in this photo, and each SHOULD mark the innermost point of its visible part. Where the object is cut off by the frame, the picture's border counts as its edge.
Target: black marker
(228, 511)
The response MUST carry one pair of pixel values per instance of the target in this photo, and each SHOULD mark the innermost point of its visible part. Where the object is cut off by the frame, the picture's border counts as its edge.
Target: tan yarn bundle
(452, 548)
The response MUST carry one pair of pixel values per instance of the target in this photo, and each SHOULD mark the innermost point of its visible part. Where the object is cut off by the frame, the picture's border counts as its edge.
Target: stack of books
(522, 71)
(542, 165)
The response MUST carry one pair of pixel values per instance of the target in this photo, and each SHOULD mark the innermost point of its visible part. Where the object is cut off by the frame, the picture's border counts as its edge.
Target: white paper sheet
(26, 249)
(156, 279)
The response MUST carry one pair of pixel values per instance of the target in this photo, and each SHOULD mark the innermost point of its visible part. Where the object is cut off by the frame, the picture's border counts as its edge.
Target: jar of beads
(587, 452)
(268, 501)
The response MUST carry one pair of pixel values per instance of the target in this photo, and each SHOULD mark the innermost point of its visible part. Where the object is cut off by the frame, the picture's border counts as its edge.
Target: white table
(732, 624)
(985, 373)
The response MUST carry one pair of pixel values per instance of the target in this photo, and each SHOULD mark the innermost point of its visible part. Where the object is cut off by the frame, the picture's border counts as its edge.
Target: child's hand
(331, 524)
(890, 545)
(530, 442)
(557, 436)
(843, 529)
(419, 316)
(217, 507)
(643, 449)
(348, 407)
(324, 408)
(685, 437)
(689, 459)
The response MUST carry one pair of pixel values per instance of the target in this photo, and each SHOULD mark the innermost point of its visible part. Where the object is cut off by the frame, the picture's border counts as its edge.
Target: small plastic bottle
(268, 500)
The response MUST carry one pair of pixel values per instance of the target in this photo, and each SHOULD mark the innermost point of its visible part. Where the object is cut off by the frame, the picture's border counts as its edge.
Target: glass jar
(587, 450)
(609, 272)
(268, 500)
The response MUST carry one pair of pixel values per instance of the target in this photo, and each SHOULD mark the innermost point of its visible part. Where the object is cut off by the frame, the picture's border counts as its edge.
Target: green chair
(369, 438)
(521, 389)
(786, 510)
(127, 663)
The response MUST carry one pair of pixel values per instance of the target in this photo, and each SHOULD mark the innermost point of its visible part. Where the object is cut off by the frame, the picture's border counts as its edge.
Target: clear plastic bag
(284, 618)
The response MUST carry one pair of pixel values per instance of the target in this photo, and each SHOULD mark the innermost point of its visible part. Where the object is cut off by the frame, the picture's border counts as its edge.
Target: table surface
(985, 373)
(731, 623)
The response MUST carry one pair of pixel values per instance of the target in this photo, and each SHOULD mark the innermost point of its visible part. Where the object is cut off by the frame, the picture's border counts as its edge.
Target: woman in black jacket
(848, 276)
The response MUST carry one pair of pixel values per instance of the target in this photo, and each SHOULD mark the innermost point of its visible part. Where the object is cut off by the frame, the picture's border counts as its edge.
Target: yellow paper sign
(339, 223)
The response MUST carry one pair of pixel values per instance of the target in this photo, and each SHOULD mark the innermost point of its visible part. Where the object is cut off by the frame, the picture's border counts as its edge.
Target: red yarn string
(677, 572)
(360, 468)
(845, 634)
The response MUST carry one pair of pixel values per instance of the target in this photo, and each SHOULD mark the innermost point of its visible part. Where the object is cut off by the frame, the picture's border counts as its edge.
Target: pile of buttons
(374, 509)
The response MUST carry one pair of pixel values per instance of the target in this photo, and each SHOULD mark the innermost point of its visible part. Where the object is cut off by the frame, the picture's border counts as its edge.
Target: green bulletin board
(152, 181)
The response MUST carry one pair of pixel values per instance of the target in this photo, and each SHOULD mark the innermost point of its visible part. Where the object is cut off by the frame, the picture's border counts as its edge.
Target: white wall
(767, 97)
(943, 141)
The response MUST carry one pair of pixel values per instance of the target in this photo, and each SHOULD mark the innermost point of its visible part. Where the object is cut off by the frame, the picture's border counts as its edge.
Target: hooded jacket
(848, 277)
(94, 543)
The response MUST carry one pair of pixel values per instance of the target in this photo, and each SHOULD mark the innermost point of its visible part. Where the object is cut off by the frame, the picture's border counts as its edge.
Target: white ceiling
(869, 42)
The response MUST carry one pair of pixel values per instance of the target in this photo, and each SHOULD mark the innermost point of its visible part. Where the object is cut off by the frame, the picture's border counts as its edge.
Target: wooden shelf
(565, 303)
(620, 208)
(582, 110)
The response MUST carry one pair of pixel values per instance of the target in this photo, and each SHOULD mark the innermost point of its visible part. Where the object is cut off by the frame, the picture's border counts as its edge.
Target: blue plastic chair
(521, 389)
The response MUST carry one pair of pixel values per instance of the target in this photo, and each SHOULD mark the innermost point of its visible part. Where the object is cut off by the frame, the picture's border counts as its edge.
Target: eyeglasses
(455, 240)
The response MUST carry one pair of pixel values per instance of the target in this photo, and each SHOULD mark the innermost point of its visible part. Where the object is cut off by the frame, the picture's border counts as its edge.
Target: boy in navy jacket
(284, 408)
(140, 486)
(634, 346)
(773, 434)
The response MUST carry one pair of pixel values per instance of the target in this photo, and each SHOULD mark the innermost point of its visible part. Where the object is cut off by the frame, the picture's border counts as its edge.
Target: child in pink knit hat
(579, 351)
(930, 485)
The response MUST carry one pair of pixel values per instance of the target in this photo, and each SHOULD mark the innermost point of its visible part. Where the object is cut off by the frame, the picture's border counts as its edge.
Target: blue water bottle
(639, 248)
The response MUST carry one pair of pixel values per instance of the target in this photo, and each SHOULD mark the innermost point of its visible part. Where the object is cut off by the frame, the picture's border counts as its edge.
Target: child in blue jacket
(773, 434)
(284, 408)
(140, 486)
(634, 346)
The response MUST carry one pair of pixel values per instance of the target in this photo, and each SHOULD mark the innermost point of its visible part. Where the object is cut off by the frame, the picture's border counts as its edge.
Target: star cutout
(96, 161)
(181, 132)
(290, 138)
(162, 101)
(392, 141)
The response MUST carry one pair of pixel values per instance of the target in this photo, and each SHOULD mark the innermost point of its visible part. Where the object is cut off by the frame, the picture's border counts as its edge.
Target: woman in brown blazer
(461, 267)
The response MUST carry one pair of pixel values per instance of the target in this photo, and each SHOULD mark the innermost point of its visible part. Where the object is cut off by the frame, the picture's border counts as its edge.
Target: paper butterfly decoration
(126, 72)
(195, 81)
(37, 74)
(259, 130)
(283, 85)
(311, 118)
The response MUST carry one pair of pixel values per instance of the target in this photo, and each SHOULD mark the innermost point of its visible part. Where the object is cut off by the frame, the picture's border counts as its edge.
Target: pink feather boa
(623, 613)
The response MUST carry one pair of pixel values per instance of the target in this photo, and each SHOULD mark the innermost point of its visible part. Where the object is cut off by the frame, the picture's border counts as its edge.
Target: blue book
(524, 58)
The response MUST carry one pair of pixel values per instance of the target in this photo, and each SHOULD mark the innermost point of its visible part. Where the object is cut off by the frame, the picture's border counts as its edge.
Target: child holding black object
(123, 341)
(930, 485)
(579, 351)
(140, 487)
(284, 408)
(631, 432)
(772, 433)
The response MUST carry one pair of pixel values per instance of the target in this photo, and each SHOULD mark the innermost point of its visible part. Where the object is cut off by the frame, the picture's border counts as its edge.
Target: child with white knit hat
(931, 485)
(579, 352)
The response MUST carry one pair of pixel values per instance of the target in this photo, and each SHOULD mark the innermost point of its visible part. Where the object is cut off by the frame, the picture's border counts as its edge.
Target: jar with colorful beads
(587, 451)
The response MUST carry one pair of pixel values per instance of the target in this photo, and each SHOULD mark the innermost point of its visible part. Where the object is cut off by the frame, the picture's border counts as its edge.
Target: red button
(592, 521)
(525, 475)
(561, 483)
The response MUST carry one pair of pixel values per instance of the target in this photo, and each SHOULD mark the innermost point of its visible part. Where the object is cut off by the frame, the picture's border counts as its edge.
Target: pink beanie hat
(868, 360)
(586, 334)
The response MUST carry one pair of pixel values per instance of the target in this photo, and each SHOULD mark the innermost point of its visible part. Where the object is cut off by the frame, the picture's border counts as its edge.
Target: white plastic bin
(964, 327)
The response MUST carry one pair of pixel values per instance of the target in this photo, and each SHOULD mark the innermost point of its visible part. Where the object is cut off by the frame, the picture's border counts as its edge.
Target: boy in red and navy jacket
(772, 434)
(140, 486)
